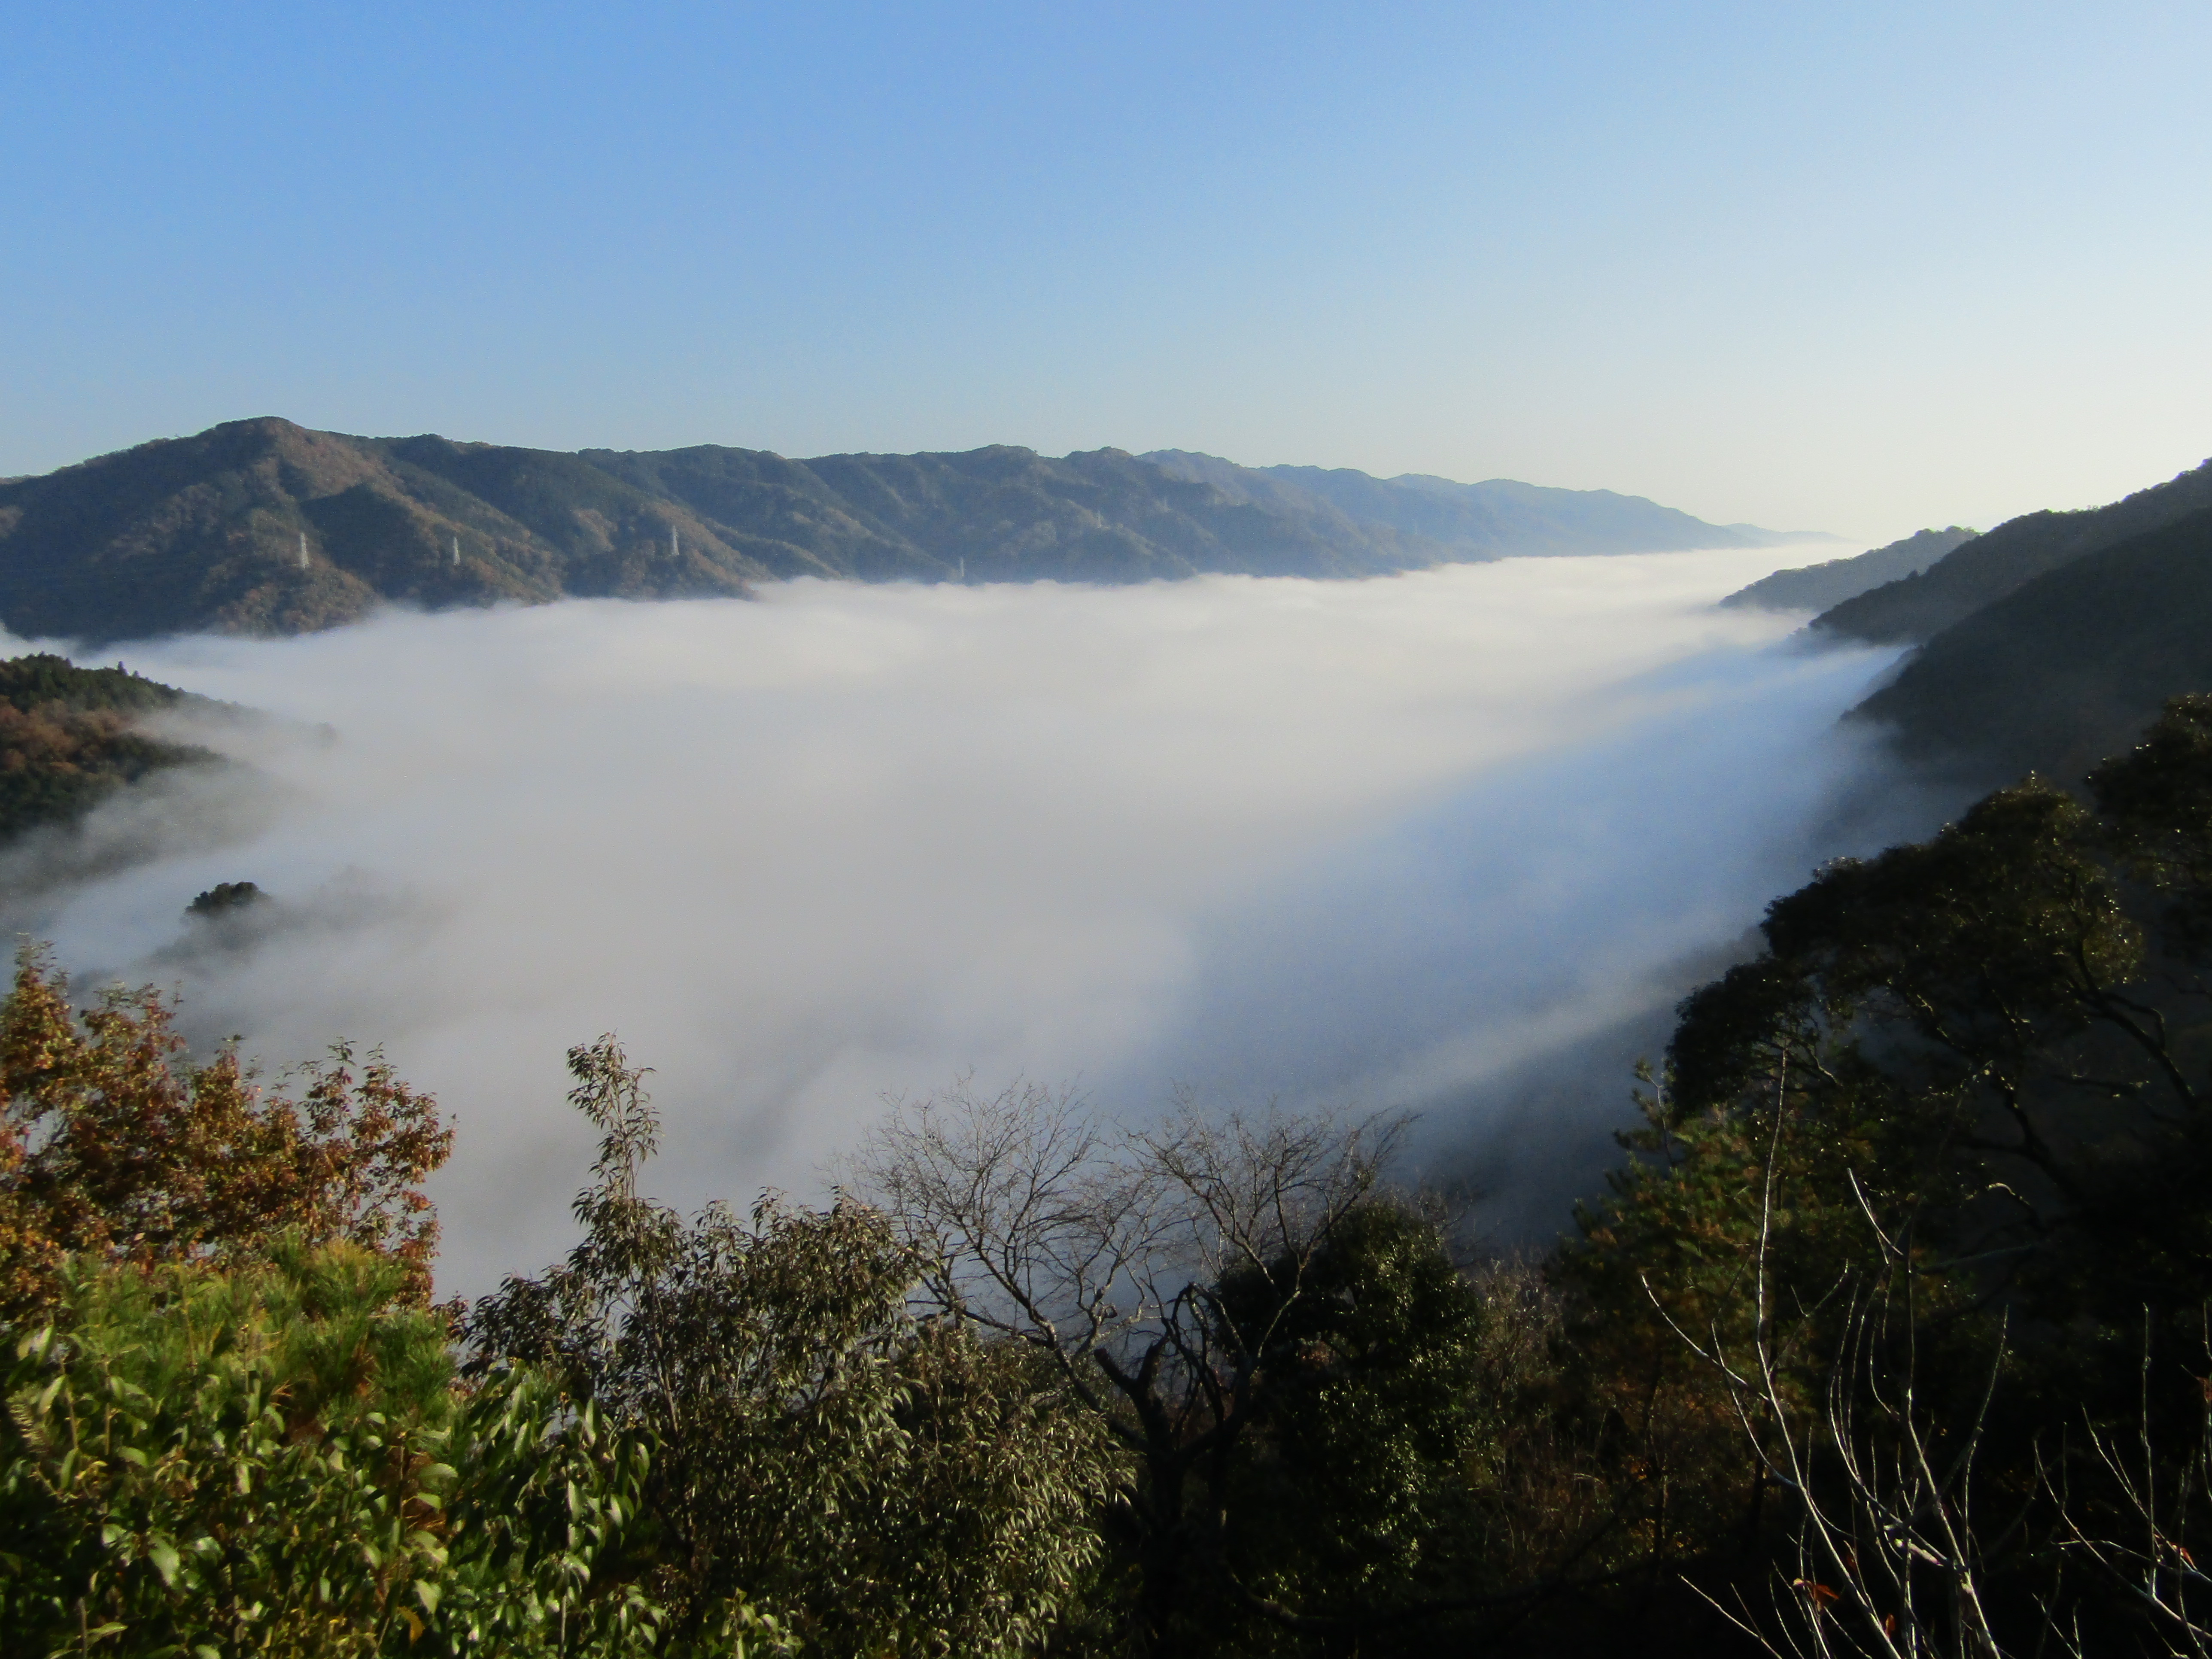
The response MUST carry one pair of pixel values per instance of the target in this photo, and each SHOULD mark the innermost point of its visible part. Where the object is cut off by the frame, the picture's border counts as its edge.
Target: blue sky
(1860, 268)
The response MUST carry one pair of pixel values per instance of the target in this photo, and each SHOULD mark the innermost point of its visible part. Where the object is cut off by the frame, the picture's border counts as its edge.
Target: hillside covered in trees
(265, 527)
(2064, 666)
(2045, 643)
(1818, 587)
(1488, 521)
(1985, 569)
(69, 739)
(1885, 1336)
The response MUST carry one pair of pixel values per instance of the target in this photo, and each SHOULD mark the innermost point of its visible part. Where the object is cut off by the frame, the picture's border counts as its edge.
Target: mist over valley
(1217, 832)
(1414, 842)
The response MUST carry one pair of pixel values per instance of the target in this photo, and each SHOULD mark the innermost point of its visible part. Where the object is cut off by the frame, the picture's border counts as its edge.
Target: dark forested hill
(69, 739)
(2069, 666)
(1817, 586)
(1986, 569)
(1493, 520)
(263, 526)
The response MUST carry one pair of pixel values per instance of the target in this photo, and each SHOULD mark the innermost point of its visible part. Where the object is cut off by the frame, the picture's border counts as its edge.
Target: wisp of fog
(1417, 842)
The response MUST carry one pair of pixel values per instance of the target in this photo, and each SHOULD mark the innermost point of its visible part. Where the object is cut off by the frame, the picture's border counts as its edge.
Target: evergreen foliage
(272, 1459)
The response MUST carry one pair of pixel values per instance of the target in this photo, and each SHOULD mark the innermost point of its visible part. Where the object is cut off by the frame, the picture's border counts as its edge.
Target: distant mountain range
(1450, 521)
(264, 527)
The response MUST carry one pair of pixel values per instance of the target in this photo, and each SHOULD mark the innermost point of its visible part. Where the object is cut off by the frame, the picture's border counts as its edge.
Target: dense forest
(2064, 666)
(70, 737)
(2044, 643)
(1888, 1334)
(265, 527)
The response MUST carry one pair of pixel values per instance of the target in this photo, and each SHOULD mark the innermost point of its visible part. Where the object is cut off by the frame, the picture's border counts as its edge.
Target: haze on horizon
(1861, 270)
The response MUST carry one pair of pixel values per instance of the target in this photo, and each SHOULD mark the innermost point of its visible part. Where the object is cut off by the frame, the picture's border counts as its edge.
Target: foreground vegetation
(1890, 1336)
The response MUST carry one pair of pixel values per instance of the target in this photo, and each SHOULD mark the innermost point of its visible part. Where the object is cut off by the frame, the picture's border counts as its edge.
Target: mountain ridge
(1497, 518)
(1979, 573)
(265, 526)
(1823, 586)
(2069, 667)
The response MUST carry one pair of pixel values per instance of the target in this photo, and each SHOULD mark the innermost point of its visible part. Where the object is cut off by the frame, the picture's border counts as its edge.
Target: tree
(889, 1481)
(270, 1458)
(1274, 1345)
(114, 1144)
(1960, 1094)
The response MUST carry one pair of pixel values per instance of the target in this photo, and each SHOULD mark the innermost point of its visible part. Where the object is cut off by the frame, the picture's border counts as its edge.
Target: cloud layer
(1392, 840)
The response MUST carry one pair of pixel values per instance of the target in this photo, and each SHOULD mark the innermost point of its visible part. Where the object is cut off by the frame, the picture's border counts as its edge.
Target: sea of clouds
(1453, 841)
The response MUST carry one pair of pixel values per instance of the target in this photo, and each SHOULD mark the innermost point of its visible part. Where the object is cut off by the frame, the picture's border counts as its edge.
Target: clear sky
(1854, 267)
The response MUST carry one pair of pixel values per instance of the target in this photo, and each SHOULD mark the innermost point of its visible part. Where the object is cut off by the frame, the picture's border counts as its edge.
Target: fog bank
(1418, 841)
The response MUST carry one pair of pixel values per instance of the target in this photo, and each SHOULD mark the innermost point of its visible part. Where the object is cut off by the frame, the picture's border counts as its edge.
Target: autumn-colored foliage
(70, 737)
(114, 1144)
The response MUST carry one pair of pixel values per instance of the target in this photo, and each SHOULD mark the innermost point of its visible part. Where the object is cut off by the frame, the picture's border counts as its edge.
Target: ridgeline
(1818, 587)
(262, 526)
(1987, 569)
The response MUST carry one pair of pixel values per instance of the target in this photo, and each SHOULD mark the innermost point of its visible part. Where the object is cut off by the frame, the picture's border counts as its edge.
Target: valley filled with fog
(1453, 841)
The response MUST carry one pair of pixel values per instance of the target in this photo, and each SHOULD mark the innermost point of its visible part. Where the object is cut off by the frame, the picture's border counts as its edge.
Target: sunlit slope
(265, 527)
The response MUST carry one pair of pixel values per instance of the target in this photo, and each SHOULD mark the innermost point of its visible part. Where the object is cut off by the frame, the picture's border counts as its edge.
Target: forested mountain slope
(1985, 569)
(1817, 586)
(69, 739)
(2068, 667)
(264, 527)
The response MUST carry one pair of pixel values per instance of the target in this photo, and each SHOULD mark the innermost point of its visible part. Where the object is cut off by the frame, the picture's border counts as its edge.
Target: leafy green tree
(1352, 1509)
(270, 1458)
(891, 1482)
